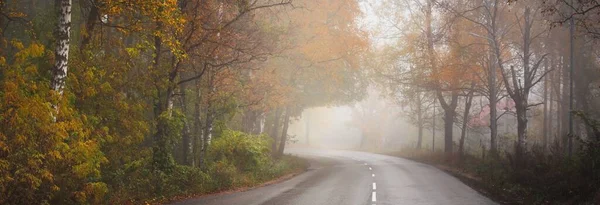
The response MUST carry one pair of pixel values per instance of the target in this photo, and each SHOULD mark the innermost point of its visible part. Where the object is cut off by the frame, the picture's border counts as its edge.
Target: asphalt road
(355, 178)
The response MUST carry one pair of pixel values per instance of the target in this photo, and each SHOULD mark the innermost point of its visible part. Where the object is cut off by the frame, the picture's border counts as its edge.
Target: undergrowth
(235, 160)
(547, 177)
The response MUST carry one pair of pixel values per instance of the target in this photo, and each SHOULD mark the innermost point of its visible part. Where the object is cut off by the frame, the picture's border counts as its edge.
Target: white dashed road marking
(374, 197)
(374, 186)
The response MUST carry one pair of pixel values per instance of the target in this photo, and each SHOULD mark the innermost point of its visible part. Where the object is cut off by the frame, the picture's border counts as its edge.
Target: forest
(151, 101)
(510, 86)
(117, 101)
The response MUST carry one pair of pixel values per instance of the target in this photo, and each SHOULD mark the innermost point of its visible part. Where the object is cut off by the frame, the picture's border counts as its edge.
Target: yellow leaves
(3, 146)
(40, 150)
(80, 197)
(95, 192)
(31, 180)
(14, 14)
(9, 89)
(106, 87)
(46, 175)
(88, 159)
(17, 44)
(31, 70)
(133, 52)
(89, 91)
(56, 155)
(20, 139)
(34, 50)
(54, 188)
(88, 75)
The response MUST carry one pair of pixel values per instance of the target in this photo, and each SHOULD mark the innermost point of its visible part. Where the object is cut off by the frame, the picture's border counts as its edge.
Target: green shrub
(284, 165)
(224, 175)
(140, 182)
(247, 153)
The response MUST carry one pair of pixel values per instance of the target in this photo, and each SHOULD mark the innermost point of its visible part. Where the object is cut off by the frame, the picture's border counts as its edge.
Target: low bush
(224, 175)
(234, 160)
(239, 159)
(245, 152)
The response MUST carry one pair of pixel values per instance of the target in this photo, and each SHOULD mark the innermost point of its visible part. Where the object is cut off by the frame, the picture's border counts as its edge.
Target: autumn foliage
(164, 98)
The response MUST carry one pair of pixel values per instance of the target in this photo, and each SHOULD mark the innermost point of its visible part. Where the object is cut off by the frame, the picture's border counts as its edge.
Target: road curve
(355, 178)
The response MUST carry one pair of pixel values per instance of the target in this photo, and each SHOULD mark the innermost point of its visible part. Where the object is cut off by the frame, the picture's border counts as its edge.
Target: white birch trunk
(63, 34)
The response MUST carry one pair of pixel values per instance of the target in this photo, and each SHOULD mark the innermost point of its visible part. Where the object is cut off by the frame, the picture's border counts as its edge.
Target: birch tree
(61, 52)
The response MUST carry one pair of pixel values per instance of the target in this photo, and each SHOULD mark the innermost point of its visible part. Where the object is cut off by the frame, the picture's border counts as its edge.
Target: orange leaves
(15, 14)
(327, 30)
(265, 90)
(326, 54)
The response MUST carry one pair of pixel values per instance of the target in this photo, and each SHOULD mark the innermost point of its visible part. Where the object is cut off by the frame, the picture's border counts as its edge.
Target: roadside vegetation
(236, 161)
(120, 101)
(546, 179)
(507, 90)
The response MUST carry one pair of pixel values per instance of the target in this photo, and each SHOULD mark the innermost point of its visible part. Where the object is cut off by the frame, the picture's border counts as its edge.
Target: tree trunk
(186, 140)
(565, 108)
(90, 23)
(448, 127)
(286, 124)
(433, 125)
(559, 107)
(160, 153)
(258, 121)
(63, 36)
(307, 128)
(449, 109)
(251, 122)
(468, 102)
(269, 120)
(449, 114)
(493, 98)
(493, 130)
(571, 132)
(545, 100)
(551, 126)
(206, 135)
(419, 121)
(198, 146)
(275, 131)
(420, 140)
(521, 135)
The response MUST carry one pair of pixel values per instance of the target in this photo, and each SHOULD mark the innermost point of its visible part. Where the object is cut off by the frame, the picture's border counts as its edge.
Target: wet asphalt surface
(355, 178)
